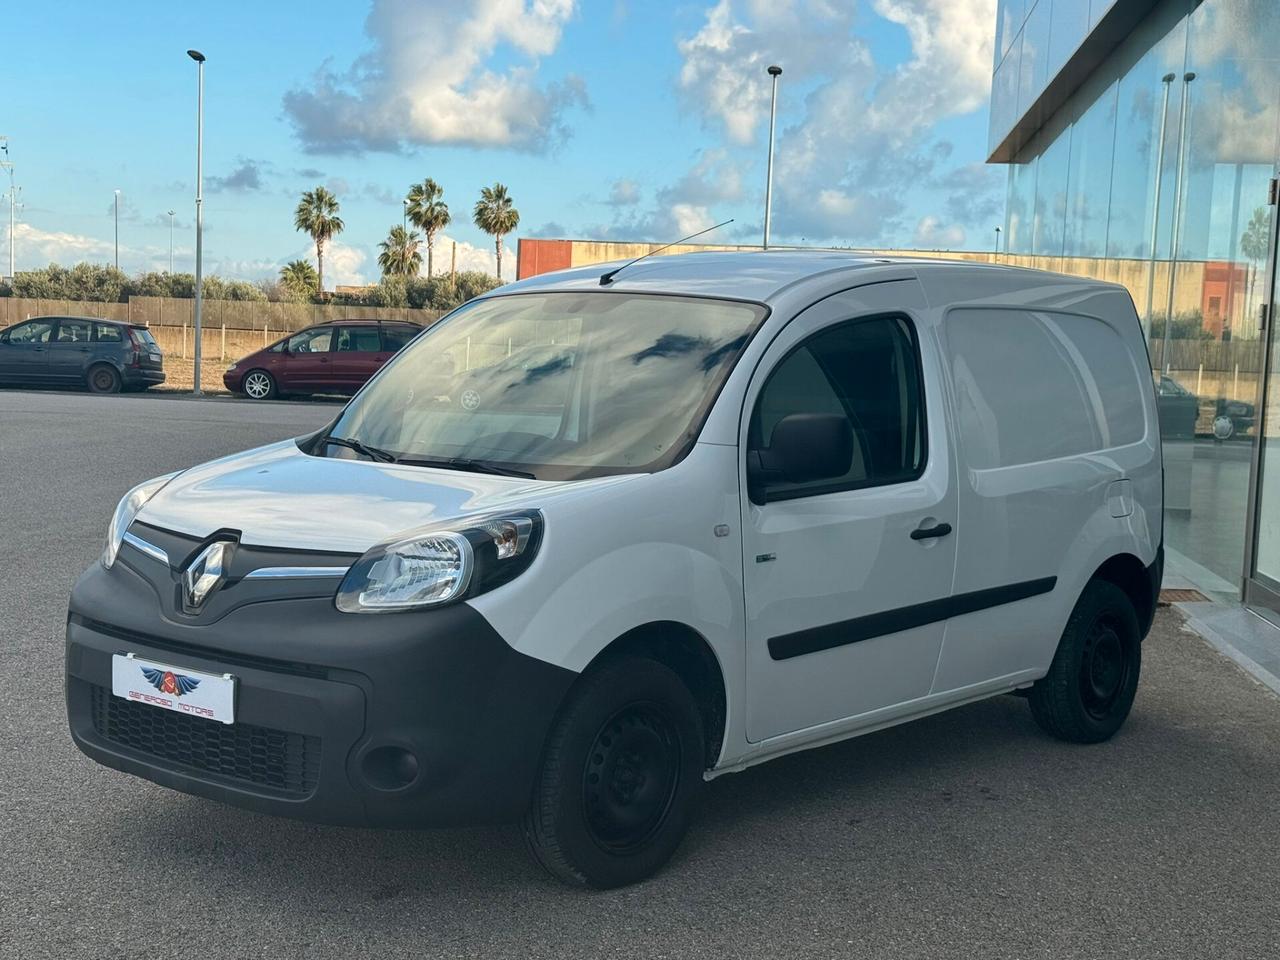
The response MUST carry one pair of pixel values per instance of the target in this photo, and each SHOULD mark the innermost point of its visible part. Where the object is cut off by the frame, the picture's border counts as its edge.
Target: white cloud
(689, 204)
(932, 234)
(35, 248)
(952, 47)
(856, 137)
(429, 79)
(470, 257)
(343, 265)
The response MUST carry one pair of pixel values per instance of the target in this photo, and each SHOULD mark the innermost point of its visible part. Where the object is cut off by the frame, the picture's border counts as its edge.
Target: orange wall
(542, 256)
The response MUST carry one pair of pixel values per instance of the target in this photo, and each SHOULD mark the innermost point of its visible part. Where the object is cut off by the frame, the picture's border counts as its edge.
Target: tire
(1089, 689)
(620, 776)
(103, 378)
(259, 385)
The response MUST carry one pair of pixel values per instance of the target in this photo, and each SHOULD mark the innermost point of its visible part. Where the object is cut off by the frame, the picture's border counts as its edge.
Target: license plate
(207, 695)
(155, 357)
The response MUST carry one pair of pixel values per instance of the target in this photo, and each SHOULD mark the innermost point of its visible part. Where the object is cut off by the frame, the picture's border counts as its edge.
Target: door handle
(929, 533)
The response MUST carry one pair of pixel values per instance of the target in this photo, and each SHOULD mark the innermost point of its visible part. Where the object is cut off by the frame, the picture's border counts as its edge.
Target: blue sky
(605, 118)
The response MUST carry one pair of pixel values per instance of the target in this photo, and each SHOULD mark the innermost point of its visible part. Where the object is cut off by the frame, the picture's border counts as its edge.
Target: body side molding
(844, 632)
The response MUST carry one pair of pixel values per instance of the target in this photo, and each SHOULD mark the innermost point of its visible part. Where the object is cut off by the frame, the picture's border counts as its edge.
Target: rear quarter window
(1035, 386)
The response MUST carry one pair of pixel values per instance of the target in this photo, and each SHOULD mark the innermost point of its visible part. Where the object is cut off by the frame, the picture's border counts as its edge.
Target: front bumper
(322, 699)
(231, 380)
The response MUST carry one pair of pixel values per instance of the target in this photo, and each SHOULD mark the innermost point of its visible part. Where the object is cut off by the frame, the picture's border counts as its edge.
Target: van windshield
(556, 385)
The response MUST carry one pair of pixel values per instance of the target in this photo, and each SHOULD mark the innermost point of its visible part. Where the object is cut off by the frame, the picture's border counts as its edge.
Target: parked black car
(106, 356)
(1179, 409)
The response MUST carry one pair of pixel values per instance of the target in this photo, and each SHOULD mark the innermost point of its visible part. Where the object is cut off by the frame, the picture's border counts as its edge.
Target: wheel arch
(1141, 583)
(685, 652)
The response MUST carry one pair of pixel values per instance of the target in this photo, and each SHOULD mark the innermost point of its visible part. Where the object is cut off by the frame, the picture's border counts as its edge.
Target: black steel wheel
(630, 777)
(1089, 690)
(103, 378)
(620, 775)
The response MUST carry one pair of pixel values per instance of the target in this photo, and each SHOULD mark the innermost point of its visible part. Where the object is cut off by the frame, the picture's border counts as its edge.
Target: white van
(604, 534)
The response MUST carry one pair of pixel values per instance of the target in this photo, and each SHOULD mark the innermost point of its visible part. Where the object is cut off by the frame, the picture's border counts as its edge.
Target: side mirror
(804, 447)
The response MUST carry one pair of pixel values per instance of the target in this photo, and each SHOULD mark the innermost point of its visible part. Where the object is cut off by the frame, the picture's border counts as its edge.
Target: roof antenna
(607, 278)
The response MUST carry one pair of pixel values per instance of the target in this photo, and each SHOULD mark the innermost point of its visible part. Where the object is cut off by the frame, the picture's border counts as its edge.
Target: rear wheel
(1089, 689)
(621, 773)
(103, 378)
(259, 385)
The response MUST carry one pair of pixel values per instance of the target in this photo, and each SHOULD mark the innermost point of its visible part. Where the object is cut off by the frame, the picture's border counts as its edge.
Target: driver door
(24, 353)
(840, 574)
(308, 365)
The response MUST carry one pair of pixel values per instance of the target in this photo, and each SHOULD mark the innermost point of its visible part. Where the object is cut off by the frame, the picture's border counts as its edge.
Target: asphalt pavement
(968, 834)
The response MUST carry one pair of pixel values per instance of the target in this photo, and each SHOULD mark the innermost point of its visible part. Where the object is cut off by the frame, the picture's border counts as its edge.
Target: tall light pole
(171, 213)
(1179, 188)
(405, 221)
(198, 57)
(1166, 81)
(7, 164)
(997, 244)
(117, 229)
(775, 72)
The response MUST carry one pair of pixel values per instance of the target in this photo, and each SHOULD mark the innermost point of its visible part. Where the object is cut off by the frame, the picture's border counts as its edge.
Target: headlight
(441, 563)
(232, 368)
(126, 510)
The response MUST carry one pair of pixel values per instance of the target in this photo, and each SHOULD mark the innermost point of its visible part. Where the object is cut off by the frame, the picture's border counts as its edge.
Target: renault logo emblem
(205, 574)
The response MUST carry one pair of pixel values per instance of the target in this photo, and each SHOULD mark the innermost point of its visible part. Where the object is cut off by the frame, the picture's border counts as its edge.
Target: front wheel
(621, 772)
(259, 385)
(1087, 693)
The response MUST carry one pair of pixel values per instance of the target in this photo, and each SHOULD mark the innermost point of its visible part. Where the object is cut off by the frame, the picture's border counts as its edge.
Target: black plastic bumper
(141, 376)
(322, 693)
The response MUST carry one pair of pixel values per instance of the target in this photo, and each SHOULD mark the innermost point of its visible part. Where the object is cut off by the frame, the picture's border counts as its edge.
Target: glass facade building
(1142, 140)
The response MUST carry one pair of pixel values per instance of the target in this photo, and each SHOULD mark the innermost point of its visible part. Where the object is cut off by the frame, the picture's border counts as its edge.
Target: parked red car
(334, 357)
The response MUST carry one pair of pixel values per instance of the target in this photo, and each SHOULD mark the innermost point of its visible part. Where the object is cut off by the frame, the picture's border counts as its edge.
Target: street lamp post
(775, 72)
(7, 164)
(198, 57)
(117, 229)
(405, 220)
(997, 244)
(171, 213)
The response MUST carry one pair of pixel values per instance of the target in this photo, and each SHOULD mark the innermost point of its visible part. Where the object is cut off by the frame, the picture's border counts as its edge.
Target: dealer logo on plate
(166, 681)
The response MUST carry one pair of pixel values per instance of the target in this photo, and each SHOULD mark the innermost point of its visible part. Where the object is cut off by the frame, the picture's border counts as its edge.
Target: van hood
(278, 496)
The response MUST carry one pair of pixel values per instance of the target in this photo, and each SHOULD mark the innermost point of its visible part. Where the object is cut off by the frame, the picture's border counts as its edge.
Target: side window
(360, 339)
(867, 371)
(1038, 386)
(33, 331)
(74, 331)
(311, 341)
(393, 338)
(107, 333)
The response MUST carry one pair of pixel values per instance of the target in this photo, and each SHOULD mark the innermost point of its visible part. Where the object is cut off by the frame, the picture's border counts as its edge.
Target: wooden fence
(232, 314)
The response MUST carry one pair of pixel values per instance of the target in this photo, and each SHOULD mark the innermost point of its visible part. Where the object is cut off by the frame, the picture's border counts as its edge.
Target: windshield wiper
(373, 453)
(474, 466)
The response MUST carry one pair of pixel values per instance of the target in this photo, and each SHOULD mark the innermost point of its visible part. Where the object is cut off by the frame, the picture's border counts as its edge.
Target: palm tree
(495, 215)
(400, 256)
(317, 214)
(429, 213)
(299, 276)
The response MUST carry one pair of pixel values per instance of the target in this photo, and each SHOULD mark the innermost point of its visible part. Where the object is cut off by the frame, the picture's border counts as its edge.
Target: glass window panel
(1089, 178)
(1070, 23)
(1033, 72)
(1008, 22)
(1004, 95)
(1140, 118)
(1050, 209)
